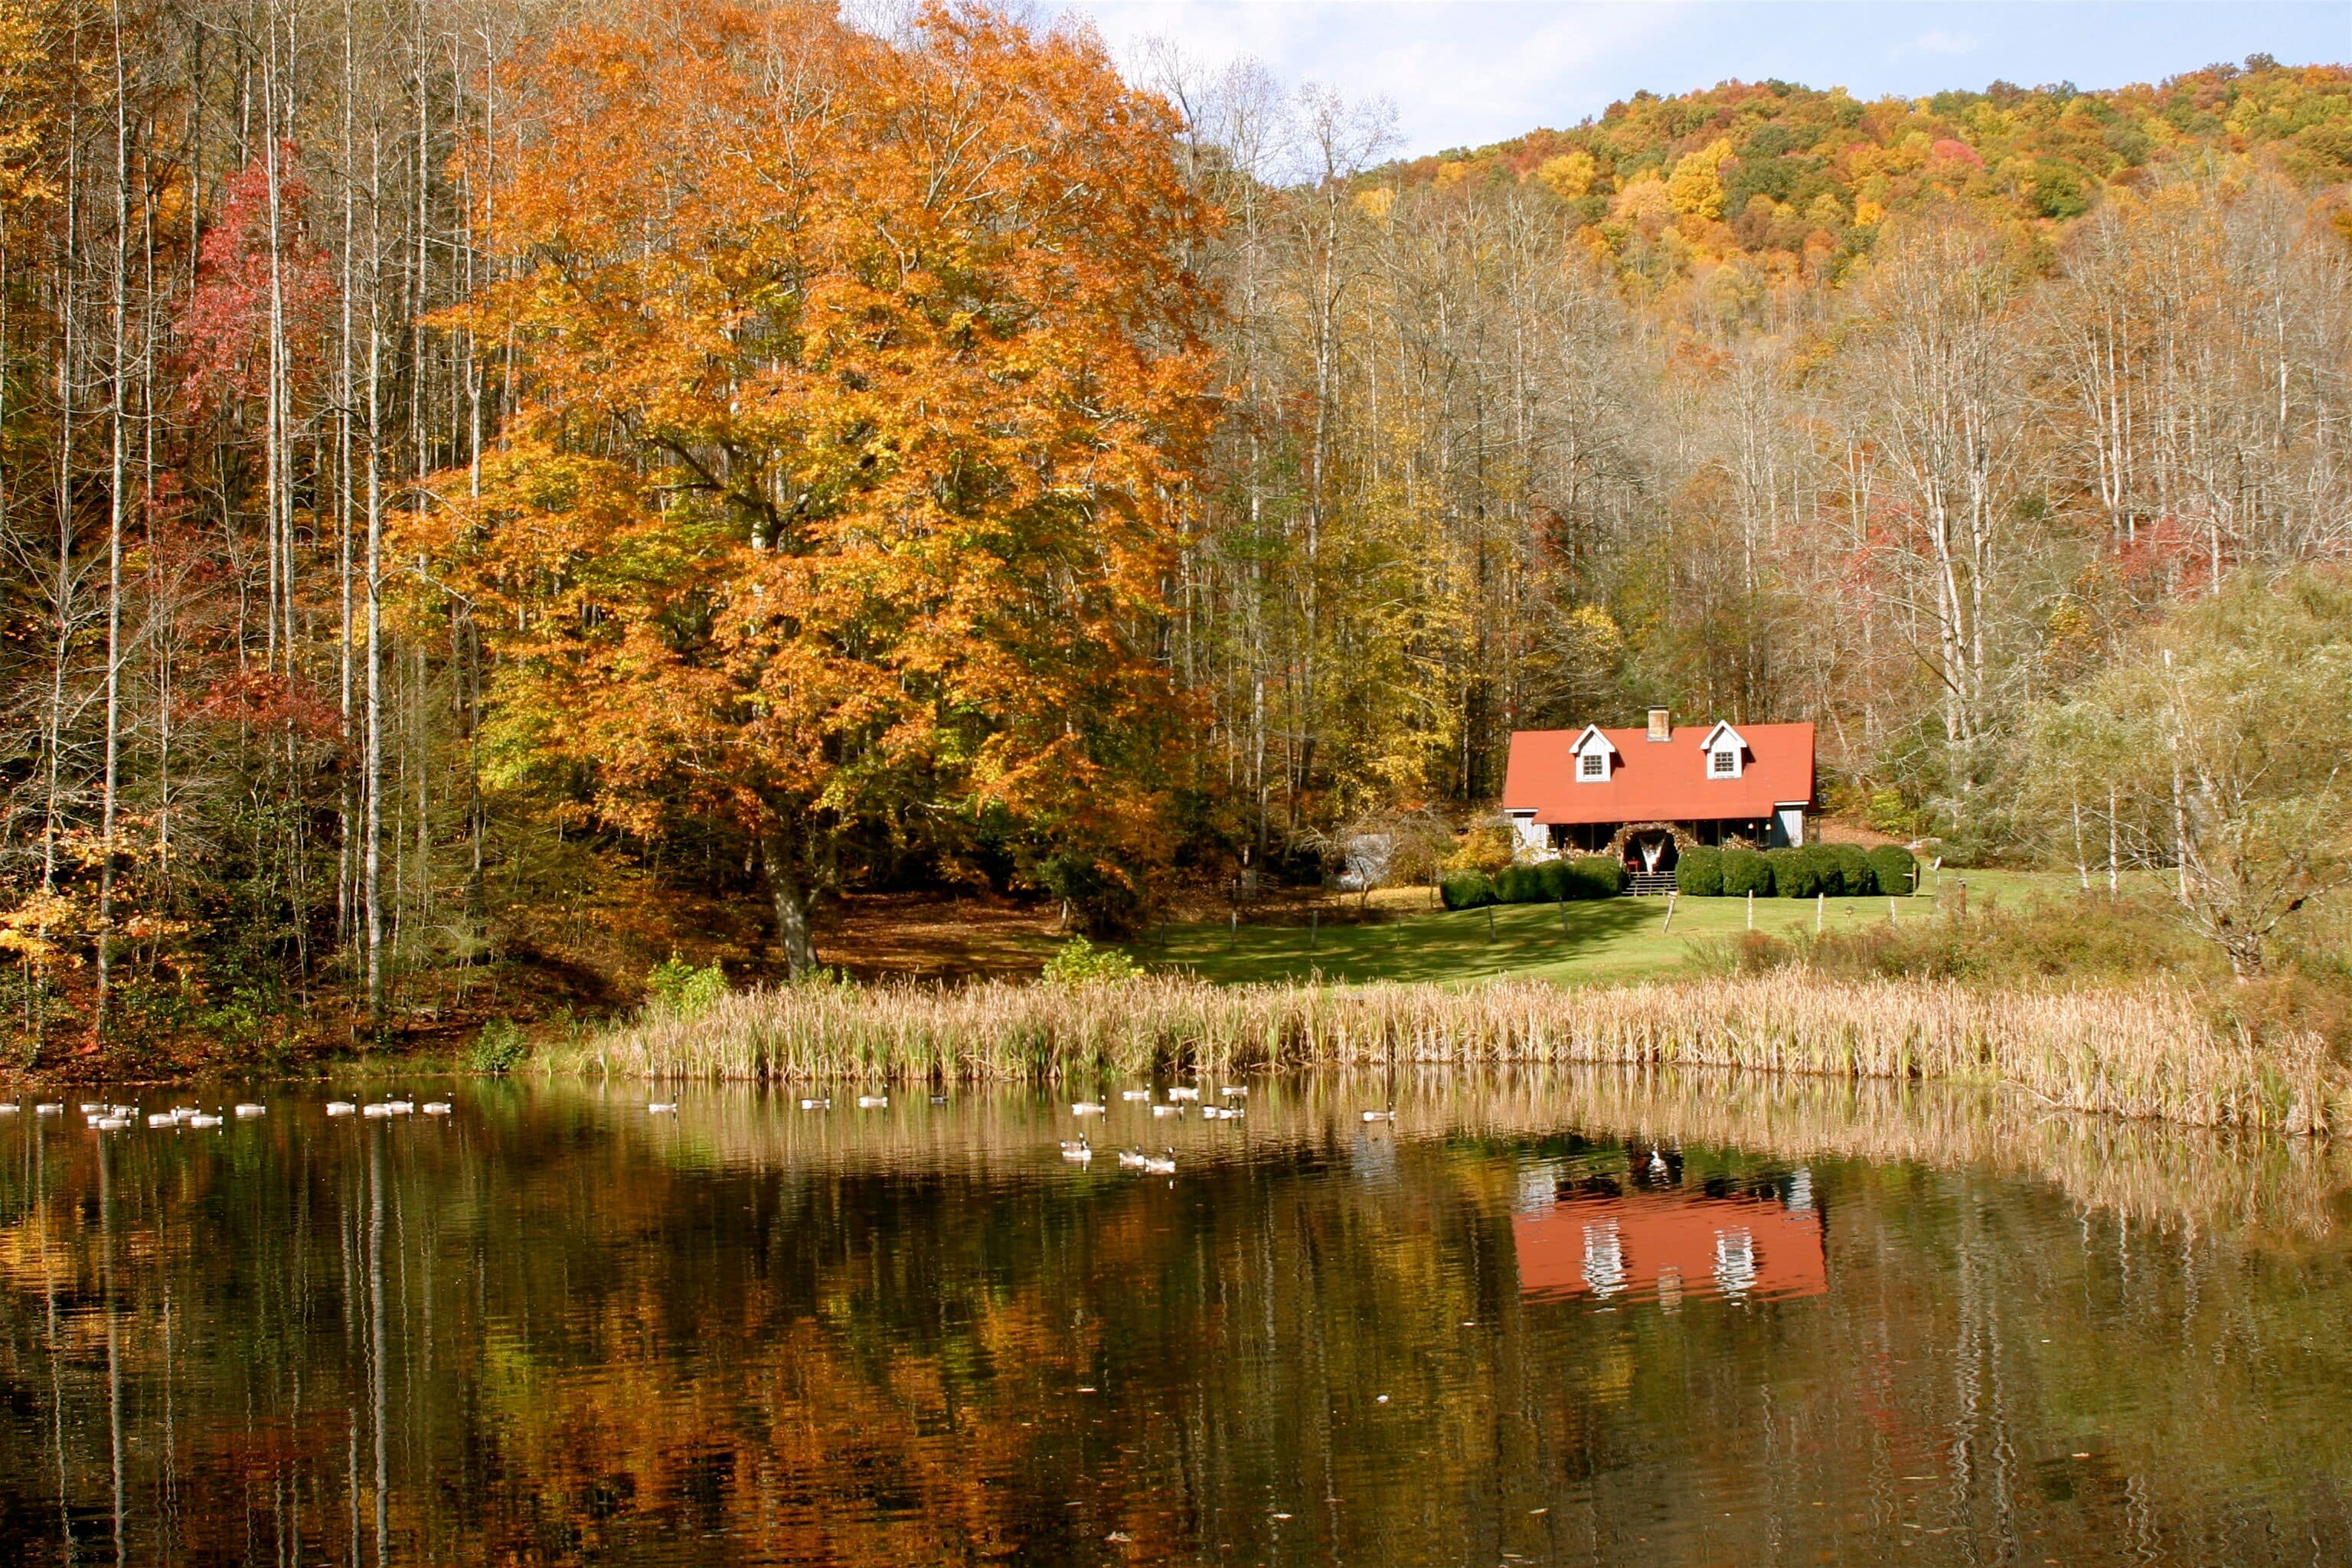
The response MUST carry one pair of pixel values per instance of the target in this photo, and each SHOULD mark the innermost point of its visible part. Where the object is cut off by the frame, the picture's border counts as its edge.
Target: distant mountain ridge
(1795, 180)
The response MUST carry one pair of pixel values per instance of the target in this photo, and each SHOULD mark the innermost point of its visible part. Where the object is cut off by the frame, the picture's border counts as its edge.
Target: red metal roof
(1659, 781)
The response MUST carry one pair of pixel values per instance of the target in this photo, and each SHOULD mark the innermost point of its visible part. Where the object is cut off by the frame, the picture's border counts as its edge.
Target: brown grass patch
(2148, 1052)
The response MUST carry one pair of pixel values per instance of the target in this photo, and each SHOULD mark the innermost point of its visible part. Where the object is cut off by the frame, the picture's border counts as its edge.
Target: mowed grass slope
(1605, 940)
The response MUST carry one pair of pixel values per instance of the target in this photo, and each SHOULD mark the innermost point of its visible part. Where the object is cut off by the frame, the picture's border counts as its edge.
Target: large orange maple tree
(855, 380)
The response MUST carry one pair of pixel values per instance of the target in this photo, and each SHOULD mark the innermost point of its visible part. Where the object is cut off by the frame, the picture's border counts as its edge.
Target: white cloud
(1938, 41)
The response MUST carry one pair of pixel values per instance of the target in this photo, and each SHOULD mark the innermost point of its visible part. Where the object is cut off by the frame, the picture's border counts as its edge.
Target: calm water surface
(1557, 1319)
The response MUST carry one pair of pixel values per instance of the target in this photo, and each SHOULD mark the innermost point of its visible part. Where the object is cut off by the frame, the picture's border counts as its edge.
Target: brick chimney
(1661, 725)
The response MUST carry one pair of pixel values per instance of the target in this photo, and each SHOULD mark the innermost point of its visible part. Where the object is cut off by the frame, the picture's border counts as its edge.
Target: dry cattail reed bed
(2150, 1053)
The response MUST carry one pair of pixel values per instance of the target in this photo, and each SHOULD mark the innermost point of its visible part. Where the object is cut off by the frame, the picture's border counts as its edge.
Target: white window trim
(1591, 742)
(1723, 737)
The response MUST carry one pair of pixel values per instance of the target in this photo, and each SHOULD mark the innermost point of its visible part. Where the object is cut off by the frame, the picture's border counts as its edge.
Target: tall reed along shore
(2149, 1053)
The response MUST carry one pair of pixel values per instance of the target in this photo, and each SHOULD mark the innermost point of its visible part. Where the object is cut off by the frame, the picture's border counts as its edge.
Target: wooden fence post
(1670, 913)
(1751, 909)
(1820, 907)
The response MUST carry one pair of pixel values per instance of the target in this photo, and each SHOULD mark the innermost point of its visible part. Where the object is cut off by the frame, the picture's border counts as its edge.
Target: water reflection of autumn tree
(545, 1334)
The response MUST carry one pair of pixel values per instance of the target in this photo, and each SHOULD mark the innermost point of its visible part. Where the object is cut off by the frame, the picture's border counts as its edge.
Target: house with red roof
(1645, 794)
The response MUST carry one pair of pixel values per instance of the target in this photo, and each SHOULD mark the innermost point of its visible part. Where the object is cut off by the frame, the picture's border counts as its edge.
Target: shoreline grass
(2149, 1053)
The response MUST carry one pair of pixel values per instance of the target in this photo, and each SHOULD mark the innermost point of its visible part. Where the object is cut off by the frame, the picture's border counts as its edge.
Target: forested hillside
(491, 493)
(1788, 182)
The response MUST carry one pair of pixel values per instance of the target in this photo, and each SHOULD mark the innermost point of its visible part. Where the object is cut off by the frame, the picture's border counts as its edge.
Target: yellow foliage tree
(1569, 175)
(1696, 188)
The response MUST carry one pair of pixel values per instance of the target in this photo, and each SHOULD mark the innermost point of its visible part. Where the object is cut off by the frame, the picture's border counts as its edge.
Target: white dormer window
(1727, 753)
(1592, 751)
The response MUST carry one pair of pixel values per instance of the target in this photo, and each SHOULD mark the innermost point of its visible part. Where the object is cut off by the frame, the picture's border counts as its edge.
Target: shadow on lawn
(1453, 946)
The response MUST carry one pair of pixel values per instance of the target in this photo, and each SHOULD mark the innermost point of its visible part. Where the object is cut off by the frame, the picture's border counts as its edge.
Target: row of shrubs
(1839, 870)
(1553, 882)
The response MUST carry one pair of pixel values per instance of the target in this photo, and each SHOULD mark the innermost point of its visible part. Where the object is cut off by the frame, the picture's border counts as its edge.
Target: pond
(1598, 1318)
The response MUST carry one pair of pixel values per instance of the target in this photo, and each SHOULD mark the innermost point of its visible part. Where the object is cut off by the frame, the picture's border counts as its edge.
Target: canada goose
(1234, 1091)
(8, 1109)
(1657, 1162)
(1388, 1115)
(1078, 1148)
(1088, 1107)
(400, 1107)
(1181, 1092)
(873, 1102)
(939, 1099)
(660, 1108)
(91, 1108)
(1159, 1164)
(341, 1108)
(111, 1123)
(825, 1104)
(1130, 1159)
(163, 1119)
(1134, 1094)
(436, 1108)
(201, 1119)
(1221, 1113)
(123, 1111)
(376, 1111)
(49, 1110)
(250, 1109)
(1167, 1110)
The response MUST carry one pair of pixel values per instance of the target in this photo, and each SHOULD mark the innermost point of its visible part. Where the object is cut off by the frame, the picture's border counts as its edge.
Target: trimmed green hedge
(1796, 873)
(1699, 872)
(1896, 870)
(1466, 889)
(1746, 871)
(1558, 881)
(1519, 885)
(1855, 877)
(1595, 877)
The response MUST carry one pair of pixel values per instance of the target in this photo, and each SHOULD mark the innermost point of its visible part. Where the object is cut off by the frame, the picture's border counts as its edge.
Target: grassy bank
(2148, 1052)
(1604, 939)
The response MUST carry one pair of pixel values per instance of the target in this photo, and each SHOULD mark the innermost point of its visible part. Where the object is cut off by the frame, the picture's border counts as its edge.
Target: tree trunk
(777, 863)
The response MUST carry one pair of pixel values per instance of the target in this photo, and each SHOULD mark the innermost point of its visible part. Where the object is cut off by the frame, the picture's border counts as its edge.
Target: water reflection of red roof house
(1672, 1244)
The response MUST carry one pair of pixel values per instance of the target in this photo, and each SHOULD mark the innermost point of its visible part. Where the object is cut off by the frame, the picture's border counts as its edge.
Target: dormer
(1595, 757)
(1725, 753)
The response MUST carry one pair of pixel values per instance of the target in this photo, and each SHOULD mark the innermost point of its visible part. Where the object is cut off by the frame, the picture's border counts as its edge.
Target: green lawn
(1614, 939)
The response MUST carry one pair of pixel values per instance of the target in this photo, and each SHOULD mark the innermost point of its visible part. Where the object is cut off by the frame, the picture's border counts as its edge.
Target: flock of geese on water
(110, 1118)
(1182, 1098)
(106, 1117)
(1081, 1149)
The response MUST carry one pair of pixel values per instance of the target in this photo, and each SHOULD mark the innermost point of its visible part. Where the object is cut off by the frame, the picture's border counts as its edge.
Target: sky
(1463, 73)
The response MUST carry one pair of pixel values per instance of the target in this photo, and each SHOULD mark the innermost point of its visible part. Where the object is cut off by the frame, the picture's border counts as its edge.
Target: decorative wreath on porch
(1684, 839)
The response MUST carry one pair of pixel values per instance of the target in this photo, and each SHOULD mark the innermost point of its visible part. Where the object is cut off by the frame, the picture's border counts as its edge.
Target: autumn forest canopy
(491, 492)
